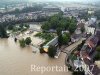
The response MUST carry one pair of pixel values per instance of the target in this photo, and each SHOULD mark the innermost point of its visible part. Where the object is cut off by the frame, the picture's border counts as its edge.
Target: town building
(90, 26)
(53, 42)
(50, 10)
(87, 54)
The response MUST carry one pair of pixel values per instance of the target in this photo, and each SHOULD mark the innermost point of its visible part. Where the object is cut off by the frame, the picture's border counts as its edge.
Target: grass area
(73, 57)
(21, 28)
(18, 27)
(46, 36)
(97, 56)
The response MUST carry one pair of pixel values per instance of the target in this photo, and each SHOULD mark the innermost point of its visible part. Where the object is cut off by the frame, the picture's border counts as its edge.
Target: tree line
(58, 21)
(26, 10)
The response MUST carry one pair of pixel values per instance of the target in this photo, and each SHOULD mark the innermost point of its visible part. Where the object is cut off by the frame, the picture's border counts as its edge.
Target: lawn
(46, 36)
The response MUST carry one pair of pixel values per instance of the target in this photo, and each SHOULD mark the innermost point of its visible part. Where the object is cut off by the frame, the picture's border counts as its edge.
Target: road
(70, 48)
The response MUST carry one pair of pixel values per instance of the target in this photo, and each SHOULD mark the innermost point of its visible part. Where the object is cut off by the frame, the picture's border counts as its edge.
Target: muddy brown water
(17, 61)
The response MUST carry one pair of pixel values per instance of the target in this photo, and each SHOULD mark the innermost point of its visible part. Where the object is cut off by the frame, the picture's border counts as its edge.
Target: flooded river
(17, 61)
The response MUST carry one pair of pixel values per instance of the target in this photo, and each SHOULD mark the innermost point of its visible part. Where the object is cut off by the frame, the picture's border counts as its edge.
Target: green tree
(62, 24)
(97, 14)
(97, 56)
(60, 38)
(22, 43)
(99, 24)
(10, 27)
(58, 21)
(3, 33)
(78, 73)
(52, 51)
(82, 29)
(98, 49)
(42, 50)
(28, 40)
(59, 33)
(26, 25)
(72, 27)
(46, 26)
(66, 38)
(80, 45)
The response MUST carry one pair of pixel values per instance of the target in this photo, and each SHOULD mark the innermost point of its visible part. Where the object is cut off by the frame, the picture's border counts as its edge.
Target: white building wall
(89, 29)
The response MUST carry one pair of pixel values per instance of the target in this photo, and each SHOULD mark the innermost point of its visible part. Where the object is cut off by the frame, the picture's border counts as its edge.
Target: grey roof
(93, 25)
(94, 39)
(53, 42)
(86, 48)
(98, 33)
(75, 36)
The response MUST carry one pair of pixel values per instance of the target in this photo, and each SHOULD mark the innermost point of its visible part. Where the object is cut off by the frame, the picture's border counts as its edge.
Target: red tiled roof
(92, 41)
(84, 54)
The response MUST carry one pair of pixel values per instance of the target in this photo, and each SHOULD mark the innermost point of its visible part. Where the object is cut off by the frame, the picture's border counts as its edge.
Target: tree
(97, 14)
(3, 33)
(42, 50)
(10, 27)
(59, 33)
(22, 43)
(15, 39)
(81, 45)
(26, 25)
(78, 73)
(46, 26)
(98, 49)
(26, 10)
(52, 51)
(58, 21)
(66, 38)
(99, 24)
(60, 40)
(21, 25)
(82, 29)
(97, 56)
(72, 27)
(28, 40)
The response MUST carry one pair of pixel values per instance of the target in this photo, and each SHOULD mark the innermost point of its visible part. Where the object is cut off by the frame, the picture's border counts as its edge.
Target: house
(76, 36)
(90, 12)
(92, 41)
(97, 33)
(53, 42)
(50, 10)
(80, 24)
(90, 26)
(87, 53)
(78, 33)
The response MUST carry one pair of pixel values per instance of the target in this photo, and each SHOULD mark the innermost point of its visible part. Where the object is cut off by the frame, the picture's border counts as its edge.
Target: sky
(87, 1)
(68, 0)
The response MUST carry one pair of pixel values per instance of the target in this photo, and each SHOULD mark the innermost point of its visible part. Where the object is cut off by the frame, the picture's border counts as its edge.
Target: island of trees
(58, 24)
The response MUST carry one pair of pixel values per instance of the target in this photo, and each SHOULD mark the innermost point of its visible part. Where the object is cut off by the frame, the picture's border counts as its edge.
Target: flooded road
(17, 61)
